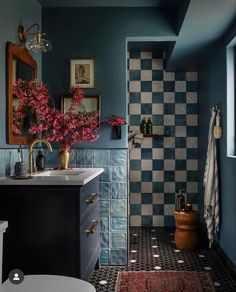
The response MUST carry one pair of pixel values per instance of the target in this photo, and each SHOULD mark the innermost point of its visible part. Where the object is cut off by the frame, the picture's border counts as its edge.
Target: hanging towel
(135, 139)
(210, 182)
(138, 139)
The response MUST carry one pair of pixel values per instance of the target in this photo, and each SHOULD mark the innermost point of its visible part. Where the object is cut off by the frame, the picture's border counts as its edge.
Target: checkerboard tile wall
(163, 165)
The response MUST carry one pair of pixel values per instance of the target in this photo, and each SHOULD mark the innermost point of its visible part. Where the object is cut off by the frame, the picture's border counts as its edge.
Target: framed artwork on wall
(89, 104)
(82, 73)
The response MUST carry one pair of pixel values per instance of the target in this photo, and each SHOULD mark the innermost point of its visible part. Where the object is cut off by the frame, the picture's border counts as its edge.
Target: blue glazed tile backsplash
(118, 240)
(105, 256)
(118, 257)
(162, 165)
(119, 223)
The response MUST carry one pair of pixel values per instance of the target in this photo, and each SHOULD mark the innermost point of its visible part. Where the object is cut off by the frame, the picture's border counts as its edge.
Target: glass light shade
(38, 45)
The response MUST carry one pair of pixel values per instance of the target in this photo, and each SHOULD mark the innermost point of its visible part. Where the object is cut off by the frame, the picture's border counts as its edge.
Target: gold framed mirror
(19, 65)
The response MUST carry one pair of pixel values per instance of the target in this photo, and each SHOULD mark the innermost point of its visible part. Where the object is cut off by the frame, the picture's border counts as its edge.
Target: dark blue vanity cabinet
(52, 229)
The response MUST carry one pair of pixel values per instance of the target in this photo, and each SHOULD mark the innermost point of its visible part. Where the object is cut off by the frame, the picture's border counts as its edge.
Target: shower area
(166, 161)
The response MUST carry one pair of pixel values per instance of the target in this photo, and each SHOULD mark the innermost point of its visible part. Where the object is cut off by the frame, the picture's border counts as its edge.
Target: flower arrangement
(67, 128)
(115, 121)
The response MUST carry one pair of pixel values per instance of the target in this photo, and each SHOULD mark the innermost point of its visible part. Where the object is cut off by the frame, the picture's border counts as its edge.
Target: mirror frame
(13, 50)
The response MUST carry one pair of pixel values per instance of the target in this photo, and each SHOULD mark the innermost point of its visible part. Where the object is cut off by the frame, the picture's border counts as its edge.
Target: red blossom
(68, 129)
(115, 120)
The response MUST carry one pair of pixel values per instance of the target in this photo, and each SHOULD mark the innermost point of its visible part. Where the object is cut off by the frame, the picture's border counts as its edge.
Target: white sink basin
(60, 172)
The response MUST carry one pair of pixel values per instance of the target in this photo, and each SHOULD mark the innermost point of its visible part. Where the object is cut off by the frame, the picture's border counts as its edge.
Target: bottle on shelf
(149, 126)
(40, 160)
(180, 201)
(143, 126)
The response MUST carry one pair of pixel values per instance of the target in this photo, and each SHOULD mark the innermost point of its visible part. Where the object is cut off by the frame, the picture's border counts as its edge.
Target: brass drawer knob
(92, 199)
(93, 228)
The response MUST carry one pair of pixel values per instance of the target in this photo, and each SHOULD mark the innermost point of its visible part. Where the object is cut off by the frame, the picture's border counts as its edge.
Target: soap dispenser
(40, 160)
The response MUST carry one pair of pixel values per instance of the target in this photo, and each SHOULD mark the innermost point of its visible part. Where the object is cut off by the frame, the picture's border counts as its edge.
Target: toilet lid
(48, 283)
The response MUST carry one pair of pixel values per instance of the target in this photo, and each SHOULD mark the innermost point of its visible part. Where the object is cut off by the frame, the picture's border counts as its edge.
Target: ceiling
(200, 23)
(204, 23)
(109, 3)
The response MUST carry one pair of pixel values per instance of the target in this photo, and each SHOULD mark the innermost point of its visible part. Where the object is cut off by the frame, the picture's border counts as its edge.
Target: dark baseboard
(229, 266)
(227, 263)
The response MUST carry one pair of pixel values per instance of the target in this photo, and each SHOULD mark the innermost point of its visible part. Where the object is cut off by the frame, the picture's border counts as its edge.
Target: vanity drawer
(89, 195)
(89, 242)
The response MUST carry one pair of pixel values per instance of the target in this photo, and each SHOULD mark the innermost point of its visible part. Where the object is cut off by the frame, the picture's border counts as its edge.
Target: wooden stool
(186, 232)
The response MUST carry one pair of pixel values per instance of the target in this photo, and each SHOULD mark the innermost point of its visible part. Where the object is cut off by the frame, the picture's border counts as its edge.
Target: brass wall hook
(217, 128)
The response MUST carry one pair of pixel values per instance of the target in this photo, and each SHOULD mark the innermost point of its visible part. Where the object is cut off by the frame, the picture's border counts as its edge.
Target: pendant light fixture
(37, 43)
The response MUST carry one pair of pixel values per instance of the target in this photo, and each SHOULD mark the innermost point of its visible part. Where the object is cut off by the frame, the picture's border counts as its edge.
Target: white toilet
(41, 283)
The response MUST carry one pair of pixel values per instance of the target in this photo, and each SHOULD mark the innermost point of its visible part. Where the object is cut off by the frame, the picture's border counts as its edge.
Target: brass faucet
(31, 151)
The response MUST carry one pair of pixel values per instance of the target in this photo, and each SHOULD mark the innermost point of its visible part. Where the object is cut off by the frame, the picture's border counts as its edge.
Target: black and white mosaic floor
(154, 249)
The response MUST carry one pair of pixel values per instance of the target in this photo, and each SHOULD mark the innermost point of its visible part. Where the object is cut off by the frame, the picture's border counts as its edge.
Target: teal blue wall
(99, 33)
(12, 14)
(212, 90)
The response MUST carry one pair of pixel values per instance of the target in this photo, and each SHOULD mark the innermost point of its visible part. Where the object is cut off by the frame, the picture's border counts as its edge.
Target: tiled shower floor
(153, 249)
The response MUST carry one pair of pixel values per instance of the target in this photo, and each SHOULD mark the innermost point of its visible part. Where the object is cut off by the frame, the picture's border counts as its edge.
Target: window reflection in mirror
(22, 70)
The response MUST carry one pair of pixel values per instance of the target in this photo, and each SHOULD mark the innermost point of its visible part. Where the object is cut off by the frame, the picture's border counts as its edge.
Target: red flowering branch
(70, 128)
(115, 120)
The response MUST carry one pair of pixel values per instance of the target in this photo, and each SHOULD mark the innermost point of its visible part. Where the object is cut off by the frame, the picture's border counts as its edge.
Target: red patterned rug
(171, 281)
